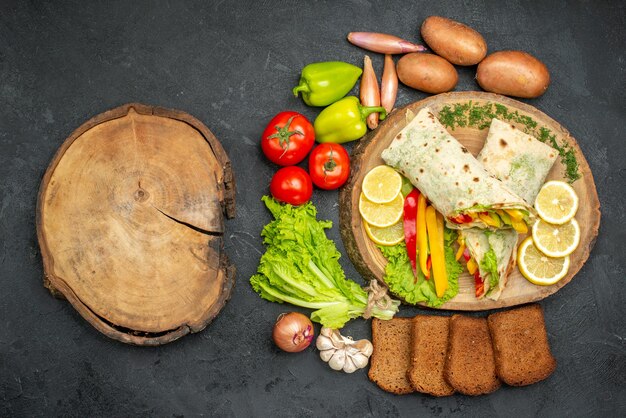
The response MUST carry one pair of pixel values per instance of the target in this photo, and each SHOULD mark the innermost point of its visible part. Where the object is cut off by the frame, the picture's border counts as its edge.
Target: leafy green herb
(568, 157)
(480, 116)
(399, 275)
(301, 267)
(451, 118)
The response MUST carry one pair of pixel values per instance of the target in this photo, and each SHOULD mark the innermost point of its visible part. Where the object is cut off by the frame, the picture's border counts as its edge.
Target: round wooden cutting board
(130, 220)
(463, 120)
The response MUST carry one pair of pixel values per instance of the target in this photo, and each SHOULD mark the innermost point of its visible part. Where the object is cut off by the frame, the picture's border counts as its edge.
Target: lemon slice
(556, 202)
(539, 268)
(556, 240)
(389, 235)
(381, 184)
(381, 214)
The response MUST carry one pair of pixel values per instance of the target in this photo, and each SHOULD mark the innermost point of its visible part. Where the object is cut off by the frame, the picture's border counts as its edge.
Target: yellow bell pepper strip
(440, 231)
(515, 214)
(489, 220)
(519, 226)
(515, 218)
(422, 235)
(440, 237)
(323, 83)
(436, 250)
(472, 266)
(461, 250)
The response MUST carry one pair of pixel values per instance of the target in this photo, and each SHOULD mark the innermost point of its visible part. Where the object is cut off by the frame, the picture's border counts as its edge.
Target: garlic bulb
(360, 360)
(338, 360)
(326, 354)
(324, 344)
(365, 347)
(326, 332)
(343, 353)
(349, 366)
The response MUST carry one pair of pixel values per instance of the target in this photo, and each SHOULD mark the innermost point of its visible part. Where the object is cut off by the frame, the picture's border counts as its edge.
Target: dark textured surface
(232, 64)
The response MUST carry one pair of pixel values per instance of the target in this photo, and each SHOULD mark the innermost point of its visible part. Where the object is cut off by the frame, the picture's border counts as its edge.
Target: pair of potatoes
(512, 73)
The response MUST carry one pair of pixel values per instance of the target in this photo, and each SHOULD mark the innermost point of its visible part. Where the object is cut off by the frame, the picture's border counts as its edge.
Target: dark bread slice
(470, 365)
(429, 347)
(392, 355)
(521, 347)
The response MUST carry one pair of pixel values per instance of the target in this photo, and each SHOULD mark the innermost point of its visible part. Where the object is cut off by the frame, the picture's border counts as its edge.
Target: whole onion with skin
(369, 91)
(383, 43)
(293, 332)
(389, 84)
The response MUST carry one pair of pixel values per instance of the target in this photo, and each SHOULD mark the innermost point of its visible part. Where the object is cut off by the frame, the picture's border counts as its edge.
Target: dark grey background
(232, 65)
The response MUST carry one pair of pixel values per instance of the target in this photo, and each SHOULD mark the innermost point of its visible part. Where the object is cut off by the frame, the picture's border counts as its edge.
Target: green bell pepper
(323, 83)
(344, 121)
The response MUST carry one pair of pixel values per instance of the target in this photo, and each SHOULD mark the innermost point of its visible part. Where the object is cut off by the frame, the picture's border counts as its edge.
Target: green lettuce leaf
(453, 267)
(489, 264)
(301, 267)
(401, 281)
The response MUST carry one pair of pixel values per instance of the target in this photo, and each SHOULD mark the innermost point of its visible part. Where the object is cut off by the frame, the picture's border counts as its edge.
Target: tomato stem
(330, 164)
(283, 134)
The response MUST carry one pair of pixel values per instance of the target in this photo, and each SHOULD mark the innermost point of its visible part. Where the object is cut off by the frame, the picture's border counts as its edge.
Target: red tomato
(479, 283)
(461, 219)
(288, 138)
(291, 185)
(329, 166)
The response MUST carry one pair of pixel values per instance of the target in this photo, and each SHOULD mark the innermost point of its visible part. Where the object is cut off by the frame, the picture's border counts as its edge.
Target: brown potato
(456, 42)
(427, 72)
(513, 73)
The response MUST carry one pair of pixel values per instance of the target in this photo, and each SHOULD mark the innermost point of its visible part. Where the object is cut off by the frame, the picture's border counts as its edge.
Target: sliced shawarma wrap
(455, 183)
(493, 255)
(519, 160)
(522, 163)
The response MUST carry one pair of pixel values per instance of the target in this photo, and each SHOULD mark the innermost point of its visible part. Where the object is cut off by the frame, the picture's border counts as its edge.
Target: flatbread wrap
(522, 163)
(517, 159)
(490, 257)
(455, 183)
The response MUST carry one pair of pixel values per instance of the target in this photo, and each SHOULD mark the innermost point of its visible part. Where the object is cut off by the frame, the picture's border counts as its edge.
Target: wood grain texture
(369, 261)
(130, 221)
